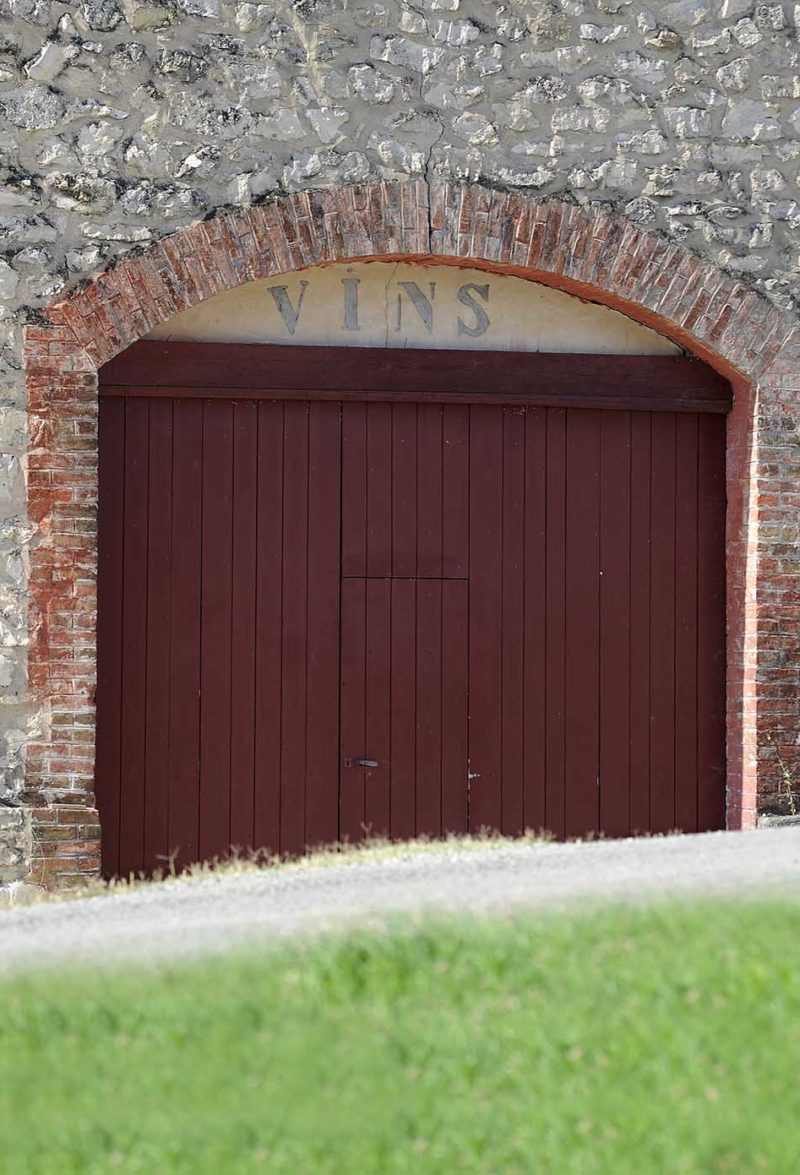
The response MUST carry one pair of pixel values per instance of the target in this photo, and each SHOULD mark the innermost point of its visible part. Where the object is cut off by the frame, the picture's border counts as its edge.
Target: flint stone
(602, 34)
(455, 32)
(144, 14)
(328, 123)
(205, 9)
(36, 108)
(735, 75)
(9, 280)
(746, 33)
(538, 177)
(751, 121)
(103, 15)
(50, 61)
(409, 54)
(33, 11)
(476, 129)
(371, 85)
(688, 122)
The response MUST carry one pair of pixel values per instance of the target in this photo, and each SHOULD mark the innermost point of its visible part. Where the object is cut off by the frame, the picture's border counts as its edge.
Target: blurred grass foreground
(657, 1040)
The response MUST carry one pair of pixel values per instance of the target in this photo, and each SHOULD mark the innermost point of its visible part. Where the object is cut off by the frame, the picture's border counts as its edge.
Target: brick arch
(583, 251)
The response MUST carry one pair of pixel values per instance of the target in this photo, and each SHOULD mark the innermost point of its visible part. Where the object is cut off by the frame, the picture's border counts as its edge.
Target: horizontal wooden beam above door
(245, 371)
(642, 403)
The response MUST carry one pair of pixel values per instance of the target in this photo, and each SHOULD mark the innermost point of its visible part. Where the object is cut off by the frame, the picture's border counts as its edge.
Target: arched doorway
(406, 592)
(582, 251)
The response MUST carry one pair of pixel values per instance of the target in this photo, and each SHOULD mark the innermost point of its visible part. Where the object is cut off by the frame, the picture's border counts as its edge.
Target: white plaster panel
(384, 304)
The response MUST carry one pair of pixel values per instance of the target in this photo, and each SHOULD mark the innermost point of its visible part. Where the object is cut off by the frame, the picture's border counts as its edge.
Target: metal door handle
(362, 763)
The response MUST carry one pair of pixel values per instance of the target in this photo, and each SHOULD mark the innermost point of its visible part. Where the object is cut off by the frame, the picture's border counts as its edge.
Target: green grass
(659, 1040)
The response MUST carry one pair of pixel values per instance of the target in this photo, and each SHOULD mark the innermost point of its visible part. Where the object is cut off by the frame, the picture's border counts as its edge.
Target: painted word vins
(413, 306)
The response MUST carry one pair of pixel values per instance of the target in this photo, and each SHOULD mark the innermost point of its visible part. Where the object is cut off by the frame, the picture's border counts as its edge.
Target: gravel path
(216, 913)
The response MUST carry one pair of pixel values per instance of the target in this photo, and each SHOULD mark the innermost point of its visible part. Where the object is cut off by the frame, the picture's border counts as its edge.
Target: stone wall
(15, 845)
(126, 120)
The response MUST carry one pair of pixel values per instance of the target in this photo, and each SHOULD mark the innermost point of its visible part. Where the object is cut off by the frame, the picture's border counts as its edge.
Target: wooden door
(563, 570)
(405, 598)
(597, 621)
(218, 633)
(449, 565)
(404, 708)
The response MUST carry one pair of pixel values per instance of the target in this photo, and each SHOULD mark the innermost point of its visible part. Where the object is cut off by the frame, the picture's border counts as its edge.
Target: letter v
(280, 296)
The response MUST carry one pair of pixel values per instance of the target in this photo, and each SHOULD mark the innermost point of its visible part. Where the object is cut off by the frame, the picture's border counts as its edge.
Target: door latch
(361, 763)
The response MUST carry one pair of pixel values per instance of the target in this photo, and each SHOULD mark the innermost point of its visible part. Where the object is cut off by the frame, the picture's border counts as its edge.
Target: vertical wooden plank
(582, 621)
(354, 489)
(403, 703)
(711, 624)
(485, 617)
(555, 573)
(455, 660)
(429, 707)
(294, 633)
(159, 577)
(243, 622)
(134, 638)
(404, 489)
(455, 491)
(662, 624)
(215, 640)
(184, 746)
(379, 489)
(639, 801)
(322, 736)
(513, 668)
(429, 490)
(615, 651)
(535, 618)
(377, 722)
(110, 580)
(352, 811)
(269, 606)
(686, 700)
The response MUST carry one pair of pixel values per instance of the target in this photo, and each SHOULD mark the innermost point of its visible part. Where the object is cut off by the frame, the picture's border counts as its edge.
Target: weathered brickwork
(644, 157)
(581, 251)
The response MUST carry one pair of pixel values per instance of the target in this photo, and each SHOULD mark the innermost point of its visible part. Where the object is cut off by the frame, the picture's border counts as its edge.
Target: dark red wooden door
(597, 636)
(218, 674)
(404, 707)
(405, 600)
(516, 610)
(590, 641)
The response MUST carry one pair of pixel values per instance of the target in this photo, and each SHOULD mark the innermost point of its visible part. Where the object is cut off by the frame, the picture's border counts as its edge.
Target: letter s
(482, 322)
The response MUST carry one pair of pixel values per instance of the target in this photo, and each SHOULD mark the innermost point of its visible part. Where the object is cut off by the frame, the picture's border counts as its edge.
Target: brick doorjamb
(583, 251)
